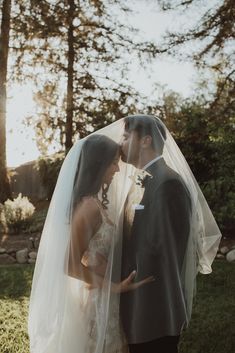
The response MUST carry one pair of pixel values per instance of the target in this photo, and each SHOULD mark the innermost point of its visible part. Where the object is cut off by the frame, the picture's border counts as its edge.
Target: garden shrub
(16, 214)
(49, 168)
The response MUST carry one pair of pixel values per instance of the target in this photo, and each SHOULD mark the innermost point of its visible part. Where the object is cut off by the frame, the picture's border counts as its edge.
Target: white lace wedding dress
(114, 341)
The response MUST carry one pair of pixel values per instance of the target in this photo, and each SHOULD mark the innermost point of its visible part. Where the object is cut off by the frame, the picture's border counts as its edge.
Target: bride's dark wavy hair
(98, 152)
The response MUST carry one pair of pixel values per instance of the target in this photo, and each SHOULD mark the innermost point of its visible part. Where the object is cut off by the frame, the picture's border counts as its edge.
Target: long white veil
(62, 310)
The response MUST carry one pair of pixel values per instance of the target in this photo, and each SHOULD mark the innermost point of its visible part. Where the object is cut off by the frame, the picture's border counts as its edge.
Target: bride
(74, 304)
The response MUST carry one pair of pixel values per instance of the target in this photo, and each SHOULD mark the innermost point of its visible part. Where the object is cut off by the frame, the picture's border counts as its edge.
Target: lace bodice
(98, 250)
(101, 241)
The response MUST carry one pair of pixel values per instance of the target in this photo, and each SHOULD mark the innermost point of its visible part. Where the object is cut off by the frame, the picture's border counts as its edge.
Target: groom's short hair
(147, 125)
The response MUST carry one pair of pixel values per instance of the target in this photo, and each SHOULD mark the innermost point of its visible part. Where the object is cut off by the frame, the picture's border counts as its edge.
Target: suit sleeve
(169, 222)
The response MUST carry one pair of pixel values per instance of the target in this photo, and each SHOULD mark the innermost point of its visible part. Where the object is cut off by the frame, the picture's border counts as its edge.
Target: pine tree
(211, 38)
(4, 49)
(78, 53)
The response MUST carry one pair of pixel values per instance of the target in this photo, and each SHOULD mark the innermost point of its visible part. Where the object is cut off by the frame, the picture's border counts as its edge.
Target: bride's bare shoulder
(88, 208)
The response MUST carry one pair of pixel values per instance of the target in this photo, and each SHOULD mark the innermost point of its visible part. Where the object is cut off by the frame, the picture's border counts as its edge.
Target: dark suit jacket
(157, 247)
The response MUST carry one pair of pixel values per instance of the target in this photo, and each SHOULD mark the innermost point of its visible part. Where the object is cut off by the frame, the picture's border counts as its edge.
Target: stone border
(27, 255)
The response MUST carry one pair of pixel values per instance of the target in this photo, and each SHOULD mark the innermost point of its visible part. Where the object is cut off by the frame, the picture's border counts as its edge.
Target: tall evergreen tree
(78, 53)
(4, 49)
(209, 39)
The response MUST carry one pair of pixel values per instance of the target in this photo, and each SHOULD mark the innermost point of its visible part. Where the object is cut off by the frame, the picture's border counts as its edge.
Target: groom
(155, 237)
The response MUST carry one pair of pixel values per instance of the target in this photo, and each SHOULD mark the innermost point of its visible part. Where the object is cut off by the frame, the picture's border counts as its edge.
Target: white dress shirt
(152, 161)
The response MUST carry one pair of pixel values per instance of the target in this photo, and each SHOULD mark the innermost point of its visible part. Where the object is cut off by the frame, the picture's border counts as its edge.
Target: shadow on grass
(15, 281)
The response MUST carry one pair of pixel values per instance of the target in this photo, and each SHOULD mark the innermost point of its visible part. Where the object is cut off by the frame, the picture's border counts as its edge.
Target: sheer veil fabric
(75, 306)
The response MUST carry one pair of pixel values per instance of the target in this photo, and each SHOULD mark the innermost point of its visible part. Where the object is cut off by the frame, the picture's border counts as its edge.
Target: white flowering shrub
(16, 214)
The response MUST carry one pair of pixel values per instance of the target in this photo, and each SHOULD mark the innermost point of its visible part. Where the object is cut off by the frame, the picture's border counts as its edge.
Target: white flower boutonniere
(141, 177)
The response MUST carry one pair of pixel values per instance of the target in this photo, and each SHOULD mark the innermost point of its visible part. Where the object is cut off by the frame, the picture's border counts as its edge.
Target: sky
(177, 76)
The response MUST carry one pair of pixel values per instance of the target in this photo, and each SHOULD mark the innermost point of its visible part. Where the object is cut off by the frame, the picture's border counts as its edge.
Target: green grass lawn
(15, 282)
(212, 328)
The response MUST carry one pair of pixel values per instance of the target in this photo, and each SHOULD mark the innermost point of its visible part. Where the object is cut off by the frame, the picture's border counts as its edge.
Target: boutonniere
(142, 177)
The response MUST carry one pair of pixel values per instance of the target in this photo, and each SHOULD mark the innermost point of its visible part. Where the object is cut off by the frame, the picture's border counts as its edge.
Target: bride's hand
(127, 285)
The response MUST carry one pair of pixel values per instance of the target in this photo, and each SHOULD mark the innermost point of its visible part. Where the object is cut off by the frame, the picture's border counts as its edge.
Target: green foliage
(16, 215)
(206, 137)
(37, 221)
(49, 168)
(220, 194)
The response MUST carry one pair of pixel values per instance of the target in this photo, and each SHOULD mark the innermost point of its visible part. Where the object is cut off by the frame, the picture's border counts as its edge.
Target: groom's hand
(127, 284)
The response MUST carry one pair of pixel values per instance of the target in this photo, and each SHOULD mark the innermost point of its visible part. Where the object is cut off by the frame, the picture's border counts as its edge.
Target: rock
(36, 242)
(2, 251)
(224, 250)
(230, 257)
(33, 255)
(22, 256)
(30, 243)
(12, 251)
(31, 261)
(6, 259)
(220, 256)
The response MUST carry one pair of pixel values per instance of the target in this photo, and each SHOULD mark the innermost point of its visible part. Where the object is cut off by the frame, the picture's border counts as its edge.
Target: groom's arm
(169, 220)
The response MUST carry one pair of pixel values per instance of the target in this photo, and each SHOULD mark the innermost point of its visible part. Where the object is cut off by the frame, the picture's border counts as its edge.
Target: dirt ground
(16, 242)
(21, 241)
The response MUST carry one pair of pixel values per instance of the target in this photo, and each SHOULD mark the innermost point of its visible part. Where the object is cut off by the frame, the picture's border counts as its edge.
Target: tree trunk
(4, 46)
(70, 73)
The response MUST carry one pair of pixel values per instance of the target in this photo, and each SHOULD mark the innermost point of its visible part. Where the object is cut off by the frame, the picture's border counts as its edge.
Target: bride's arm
(85, 222)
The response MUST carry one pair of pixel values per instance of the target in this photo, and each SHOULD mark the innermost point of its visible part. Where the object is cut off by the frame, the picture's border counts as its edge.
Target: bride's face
(111, 170)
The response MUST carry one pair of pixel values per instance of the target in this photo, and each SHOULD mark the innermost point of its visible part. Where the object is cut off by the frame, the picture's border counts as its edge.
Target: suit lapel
(152, 182)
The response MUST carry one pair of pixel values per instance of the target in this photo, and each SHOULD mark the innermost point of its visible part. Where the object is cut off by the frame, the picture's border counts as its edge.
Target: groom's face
(130, 147)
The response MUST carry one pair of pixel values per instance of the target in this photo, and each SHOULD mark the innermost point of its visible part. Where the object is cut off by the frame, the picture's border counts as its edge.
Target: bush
(16, 215)
(220, 194)
(49, 168)
(206, 138)
(37, 221)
